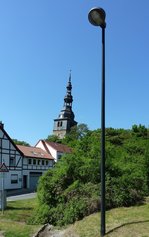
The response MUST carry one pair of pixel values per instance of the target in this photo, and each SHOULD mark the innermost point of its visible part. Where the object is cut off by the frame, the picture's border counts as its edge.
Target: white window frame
(14, 178)
(12, 161)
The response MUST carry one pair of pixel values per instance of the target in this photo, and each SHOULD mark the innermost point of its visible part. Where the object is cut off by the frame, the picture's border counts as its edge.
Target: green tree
(140, 130)
(53, 138)
(71, 190)
(76, 133)
(17, 142)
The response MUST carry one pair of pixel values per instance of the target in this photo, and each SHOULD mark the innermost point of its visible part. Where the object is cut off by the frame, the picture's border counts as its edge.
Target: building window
(51, 163)
(39, 162)
(29, 161)
(59, 157)
(60, 123)
(14, 178)
(42, 162)
(12, 161)
(47, 162)
(34, 162)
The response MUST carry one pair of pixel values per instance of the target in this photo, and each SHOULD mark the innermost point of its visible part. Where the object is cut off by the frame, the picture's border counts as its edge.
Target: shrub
(71, 190)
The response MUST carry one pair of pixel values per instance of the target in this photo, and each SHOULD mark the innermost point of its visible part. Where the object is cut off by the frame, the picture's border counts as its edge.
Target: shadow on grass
(19, 208)
(125, 224)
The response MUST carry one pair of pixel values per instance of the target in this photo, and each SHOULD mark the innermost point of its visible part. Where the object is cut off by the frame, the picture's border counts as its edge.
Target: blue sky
(41, 40)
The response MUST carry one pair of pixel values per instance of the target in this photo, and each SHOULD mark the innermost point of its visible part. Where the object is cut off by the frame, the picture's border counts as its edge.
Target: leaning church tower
(65, 120)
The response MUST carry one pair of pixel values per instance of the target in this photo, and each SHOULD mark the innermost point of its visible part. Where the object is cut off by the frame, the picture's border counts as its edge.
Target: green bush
(71, 190)
(121, 192)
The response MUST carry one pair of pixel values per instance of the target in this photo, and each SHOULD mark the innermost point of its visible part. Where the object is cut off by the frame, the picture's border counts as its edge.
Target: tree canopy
(23, 143)
(71, 190)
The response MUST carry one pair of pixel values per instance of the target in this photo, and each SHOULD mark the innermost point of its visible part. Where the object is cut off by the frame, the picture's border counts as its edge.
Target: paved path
(1, 234)
(21, 197)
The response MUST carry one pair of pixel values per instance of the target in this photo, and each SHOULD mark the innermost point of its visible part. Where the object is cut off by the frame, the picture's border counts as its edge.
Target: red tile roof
(35, 152)
(59, 147)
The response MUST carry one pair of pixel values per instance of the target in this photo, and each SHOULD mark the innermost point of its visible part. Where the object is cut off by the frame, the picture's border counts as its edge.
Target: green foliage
(147, 163)
(17, 142)
(53, 138)
(71, 190)
(76, 133)
(140, 131)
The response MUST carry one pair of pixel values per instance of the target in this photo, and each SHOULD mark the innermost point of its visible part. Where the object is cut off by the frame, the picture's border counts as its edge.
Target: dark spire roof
(68, 99)
(67, 112)
(69, 86)
(65, 120)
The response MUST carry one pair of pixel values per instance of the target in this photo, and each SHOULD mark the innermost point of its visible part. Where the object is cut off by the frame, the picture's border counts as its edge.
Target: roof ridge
(45, 146)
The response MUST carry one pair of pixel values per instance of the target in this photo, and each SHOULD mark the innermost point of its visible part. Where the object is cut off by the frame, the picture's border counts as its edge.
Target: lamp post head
(96, 17)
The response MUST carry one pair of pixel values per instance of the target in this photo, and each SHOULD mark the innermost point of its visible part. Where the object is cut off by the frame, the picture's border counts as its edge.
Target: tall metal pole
(103, 228)
(97, 17)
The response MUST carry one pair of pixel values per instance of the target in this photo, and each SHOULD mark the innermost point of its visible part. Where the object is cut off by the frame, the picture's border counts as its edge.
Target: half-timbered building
(35, 162)
(12, 157)
(25, 164)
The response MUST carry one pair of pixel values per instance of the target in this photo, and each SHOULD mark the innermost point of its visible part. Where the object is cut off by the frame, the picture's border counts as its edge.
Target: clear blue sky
(41, 40)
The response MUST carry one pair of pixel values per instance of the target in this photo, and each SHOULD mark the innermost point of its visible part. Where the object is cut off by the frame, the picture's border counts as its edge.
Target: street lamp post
(96, 17)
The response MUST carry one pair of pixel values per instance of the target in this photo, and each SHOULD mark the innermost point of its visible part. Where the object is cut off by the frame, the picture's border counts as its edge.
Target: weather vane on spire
(70, 76)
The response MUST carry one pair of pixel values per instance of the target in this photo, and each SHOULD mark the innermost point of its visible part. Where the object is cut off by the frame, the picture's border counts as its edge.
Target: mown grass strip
(14, 221)
(120, 222)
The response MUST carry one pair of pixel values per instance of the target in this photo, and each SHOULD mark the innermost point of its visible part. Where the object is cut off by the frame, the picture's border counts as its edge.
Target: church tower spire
(68, 99)
(65, 120)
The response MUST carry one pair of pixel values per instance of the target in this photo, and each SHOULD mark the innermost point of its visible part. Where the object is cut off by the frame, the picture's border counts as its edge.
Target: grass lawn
(120, 222)
(14, 221)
